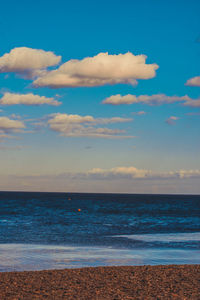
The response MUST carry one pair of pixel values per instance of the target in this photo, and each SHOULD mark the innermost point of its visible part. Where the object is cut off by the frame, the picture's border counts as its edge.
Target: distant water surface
(58, 230)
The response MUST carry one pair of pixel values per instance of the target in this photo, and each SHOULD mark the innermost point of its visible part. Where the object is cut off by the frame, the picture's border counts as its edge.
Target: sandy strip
(102, 283)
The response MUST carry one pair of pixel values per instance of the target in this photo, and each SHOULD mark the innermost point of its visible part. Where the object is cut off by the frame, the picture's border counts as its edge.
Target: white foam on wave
(20, 257)
(164, 237)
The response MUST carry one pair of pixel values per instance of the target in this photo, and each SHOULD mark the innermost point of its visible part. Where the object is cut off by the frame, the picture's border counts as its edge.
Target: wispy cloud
(135, 173)
(86, 126)
(139, 113)
(4, 136)
(6, 148)
(123, 173)
(157, 99)
(192, 103)
(172, 120)
(27, 99)
(193, 114)
(99, 70)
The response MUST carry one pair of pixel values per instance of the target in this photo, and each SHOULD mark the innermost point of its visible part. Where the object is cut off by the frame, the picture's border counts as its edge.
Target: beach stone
(177, 282)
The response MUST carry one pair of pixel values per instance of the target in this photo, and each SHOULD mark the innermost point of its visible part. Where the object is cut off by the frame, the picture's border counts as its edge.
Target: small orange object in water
(79, 209)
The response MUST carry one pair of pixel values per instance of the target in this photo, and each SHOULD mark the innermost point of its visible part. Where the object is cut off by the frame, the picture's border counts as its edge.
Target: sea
(40, 231)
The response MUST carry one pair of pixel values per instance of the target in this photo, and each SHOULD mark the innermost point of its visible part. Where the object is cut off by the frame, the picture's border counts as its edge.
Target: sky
(100, 96)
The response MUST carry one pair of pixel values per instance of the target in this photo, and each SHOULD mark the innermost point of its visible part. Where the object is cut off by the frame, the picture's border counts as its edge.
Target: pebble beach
(104, 283)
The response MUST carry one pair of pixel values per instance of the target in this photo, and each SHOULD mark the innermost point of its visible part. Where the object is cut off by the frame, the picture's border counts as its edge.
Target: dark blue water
(129, 222)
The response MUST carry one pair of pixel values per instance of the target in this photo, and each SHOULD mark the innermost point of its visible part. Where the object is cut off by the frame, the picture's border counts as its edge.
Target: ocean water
(59, 230)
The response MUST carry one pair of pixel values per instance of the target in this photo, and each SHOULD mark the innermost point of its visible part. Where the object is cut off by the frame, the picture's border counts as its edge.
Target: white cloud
(192, 103)
(8, 125)
(195, 81)
(85, 126)
(139, 113)
(134, 173)
(65, 118)
(26, 99)
(99, 70)
(122, 172)
(27, 61)
(157, 99)
(171, 120)
(83, 183)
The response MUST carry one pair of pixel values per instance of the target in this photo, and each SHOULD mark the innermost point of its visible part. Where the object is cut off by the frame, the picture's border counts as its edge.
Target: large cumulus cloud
(27, 61)
(99, 70)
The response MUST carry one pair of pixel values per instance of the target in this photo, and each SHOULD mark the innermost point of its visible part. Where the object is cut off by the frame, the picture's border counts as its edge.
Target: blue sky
(151, 148)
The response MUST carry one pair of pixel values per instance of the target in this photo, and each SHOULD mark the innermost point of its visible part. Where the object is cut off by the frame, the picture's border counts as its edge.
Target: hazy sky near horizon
(100, 96)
